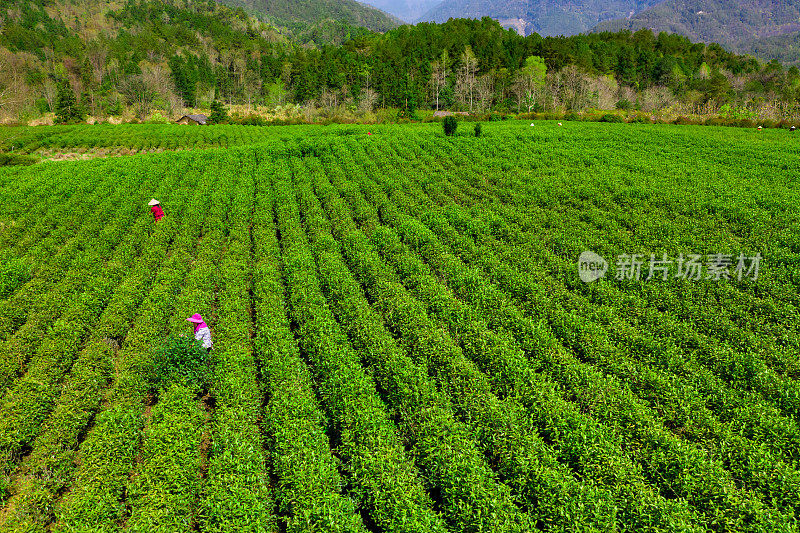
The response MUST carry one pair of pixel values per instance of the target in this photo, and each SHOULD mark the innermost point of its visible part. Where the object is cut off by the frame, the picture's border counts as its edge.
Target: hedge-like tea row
(774, 478)
(47, 205)
(734, 354)
(45, 473)
(236, 496)
(160, 491)
(67, 274)
(164, 491)
(107, 456)
(638, 508)
(384, 480)
(442, 447)
(309, 486)
(712, 317)
(680, 407)
(402, 342)
(704, 484)
(716, 484)
(69, 227)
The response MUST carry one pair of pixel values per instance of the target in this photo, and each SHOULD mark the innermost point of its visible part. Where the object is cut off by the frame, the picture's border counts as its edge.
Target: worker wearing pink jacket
(155, 208)
(201, 331)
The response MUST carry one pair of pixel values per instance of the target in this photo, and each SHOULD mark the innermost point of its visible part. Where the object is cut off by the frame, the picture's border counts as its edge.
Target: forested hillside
(110, 60)
(739, 25)
(545, 17)
(311, 12)
(784, 48)
(407, 10)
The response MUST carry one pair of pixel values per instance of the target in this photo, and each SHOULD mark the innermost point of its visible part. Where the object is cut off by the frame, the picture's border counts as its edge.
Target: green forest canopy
(158, 54)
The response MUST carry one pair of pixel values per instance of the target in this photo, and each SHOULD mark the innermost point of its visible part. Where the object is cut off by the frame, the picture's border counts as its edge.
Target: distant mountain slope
(408, 10)
(313, 12)
(736, 24)
(545, 17)
(784, 48)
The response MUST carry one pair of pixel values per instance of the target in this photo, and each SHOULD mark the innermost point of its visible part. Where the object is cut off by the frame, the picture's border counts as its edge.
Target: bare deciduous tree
(465, 83)
(14, 91)
(655, 98)
(529, 81)
(572, 88)
(251, 87)
(97, 54)
(484, 91)
(367, 99)
(49, 91)
(138, 94)
(439, 73)
(156, 78)
(328, 99)
(605, 88)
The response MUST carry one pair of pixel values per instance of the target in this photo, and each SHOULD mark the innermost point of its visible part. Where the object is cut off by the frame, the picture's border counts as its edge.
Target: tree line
(170, 56)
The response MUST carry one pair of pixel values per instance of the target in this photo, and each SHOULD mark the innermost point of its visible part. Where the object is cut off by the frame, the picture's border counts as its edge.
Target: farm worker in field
(201, 331)
(155, 207)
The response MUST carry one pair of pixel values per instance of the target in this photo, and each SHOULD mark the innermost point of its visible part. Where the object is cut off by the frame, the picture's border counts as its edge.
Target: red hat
(196, 318)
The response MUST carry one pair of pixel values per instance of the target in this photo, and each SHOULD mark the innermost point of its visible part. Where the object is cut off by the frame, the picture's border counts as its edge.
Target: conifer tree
(67, 108)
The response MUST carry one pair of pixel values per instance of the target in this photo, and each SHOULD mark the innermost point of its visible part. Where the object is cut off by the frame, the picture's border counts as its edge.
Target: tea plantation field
(403, 337)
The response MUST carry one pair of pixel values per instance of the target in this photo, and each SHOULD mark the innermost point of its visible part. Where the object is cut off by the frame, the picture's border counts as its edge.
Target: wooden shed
(193, 119)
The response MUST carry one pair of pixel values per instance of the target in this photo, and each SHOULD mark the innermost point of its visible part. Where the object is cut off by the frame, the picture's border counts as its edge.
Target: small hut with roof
(193, 119)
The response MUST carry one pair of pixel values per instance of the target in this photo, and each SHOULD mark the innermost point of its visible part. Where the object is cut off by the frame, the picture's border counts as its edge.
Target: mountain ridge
(408, 11)
(769, 28)
(314, 12)
(545, 17)
(735, 24)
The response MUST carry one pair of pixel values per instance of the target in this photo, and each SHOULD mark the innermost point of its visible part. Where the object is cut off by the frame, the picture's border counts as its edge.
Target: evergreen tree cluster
(169, 55)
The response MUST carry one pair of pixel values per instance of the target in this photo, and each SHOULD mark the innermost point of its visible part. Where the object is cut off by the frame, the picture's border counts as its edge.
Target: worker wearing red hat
(155, 207)
(202, 332)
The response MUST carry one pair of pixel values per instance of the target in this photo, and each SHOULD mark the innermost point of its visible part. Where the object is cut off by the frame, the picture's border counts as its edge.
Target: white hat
(153, 202)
